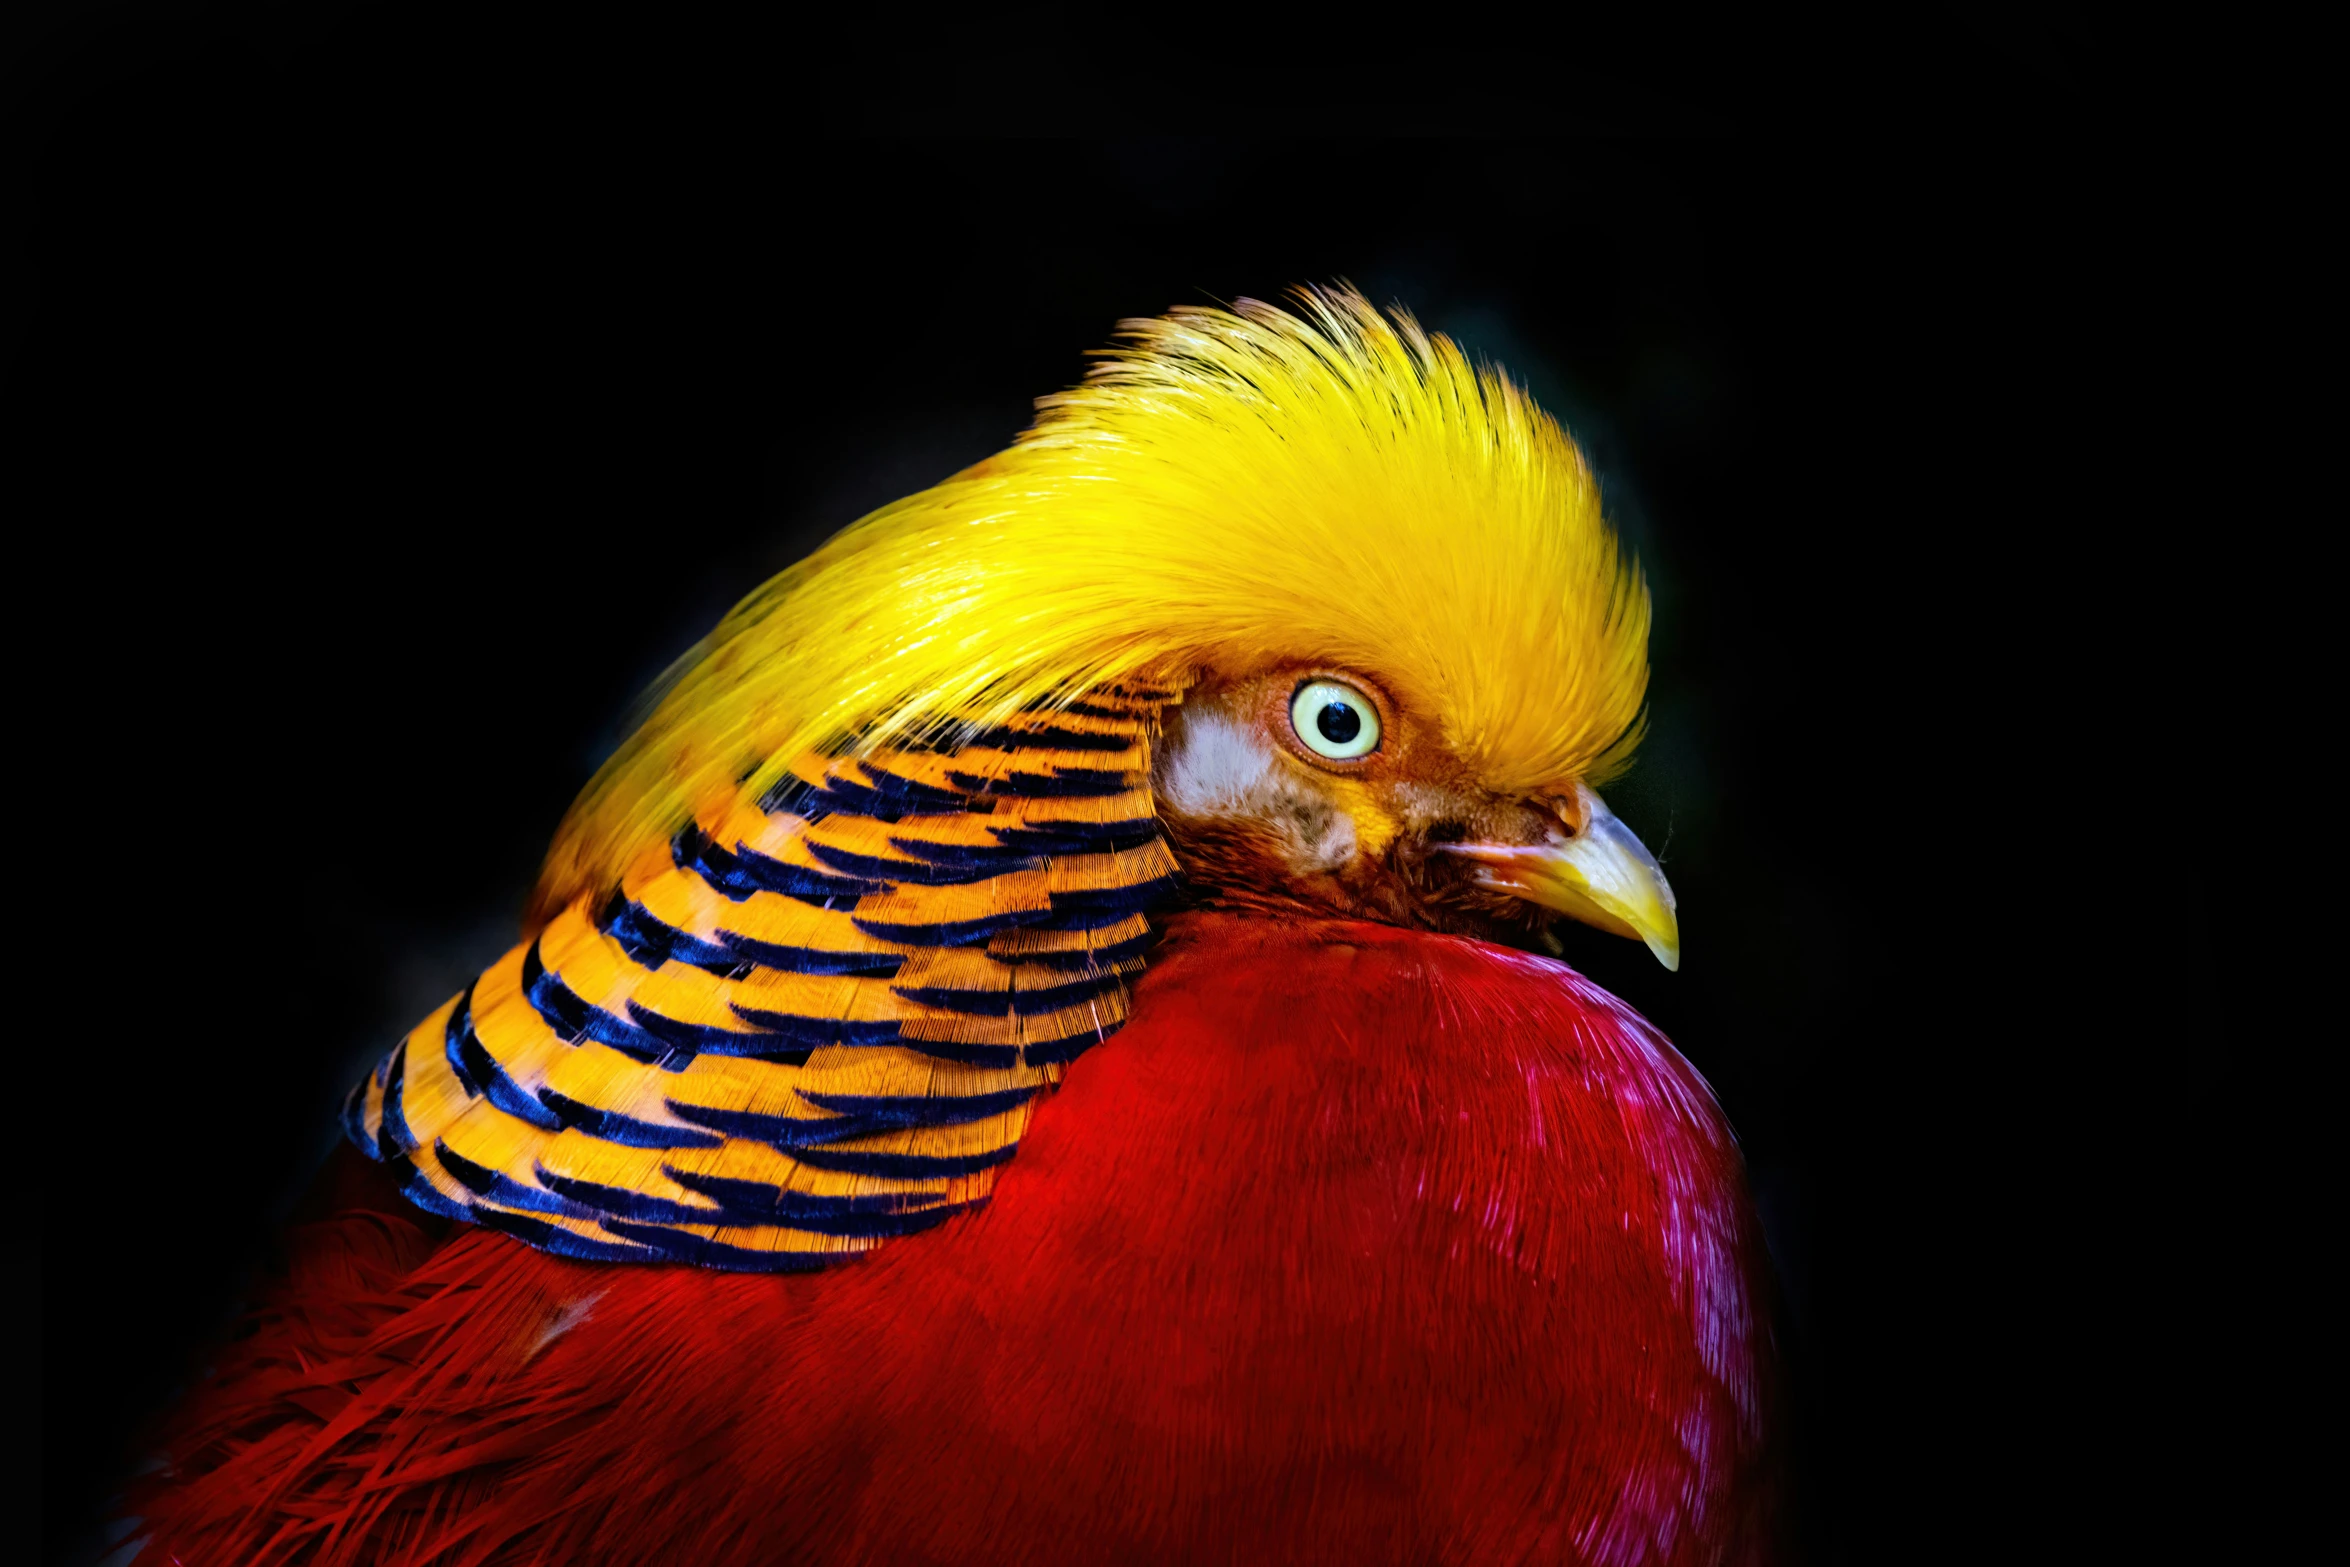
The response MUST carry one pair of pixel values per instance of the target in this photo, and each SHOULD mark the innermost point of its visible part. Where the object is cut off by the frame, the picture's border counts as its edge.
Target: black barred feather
(815, 1020)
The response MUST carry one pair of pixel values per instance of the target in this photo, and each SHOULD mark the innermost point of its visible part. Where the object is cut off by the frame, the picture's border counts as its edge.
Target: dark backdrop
(405, 390)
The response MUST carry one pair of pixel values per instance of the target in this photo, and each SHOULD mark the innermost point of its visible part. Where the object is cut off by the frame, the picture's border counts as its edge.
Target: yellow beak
(1602, 876)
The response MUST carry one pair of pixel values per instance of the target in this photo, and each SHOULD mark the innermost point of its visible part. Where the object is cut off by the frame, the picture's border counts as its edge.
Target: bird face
(1311, 788)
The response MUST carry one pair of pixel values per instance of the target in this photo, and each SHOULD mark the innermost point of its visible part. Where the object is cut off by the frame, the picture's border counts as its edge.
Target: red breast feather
(1358, 1245)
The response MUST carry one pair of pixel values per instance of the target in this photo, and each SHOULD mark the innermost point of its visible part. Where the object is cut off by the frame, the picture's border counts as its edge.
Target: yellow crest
(1225, 491)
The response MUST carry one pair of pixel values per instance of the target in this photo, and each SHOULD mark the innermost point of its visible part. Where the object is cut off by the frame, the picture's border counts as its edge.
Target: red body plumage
(1359, 1244)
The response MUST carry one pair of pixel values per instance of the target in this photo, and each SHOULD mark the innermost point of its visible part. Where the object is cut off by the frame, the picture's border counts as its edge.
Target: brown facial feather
(1261, 822)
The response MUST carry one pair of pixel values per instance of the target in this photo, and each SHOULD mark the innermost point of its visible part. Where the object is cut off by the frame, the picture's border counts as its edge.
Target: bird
(1046, 1043)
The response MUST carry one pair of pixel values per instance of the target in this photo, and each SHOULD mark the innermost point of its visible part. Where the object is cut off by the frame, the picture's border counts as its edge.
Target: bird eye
(1334, 720)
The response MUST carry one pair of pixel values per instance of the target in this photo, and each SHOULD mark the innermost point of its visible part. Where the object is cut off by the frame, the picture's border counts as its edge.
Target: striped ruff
(812, 1021)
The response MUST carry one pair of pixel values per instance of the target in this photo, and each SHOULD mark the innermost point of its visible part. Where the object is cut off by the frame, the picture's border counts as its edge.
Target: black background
(405, 389)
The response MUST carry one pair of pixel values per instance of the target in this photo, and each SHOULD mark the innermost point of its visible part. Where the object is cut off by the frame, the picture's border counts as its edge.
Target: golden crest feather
(1227, 489)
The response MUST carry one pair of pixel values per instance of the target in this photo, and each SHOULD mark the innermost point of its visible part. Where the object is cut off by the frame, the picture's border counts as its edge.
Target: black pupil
(1339, 723)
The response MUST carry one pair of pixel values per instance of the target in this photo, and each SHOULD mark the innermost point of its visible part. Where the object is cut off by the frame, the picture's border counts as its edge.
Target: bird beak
(1602, 876)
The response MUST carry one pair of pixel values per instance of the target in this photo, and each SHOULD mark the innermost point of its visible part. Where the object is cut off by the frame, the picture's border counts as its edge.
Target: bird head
(1404, 648)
